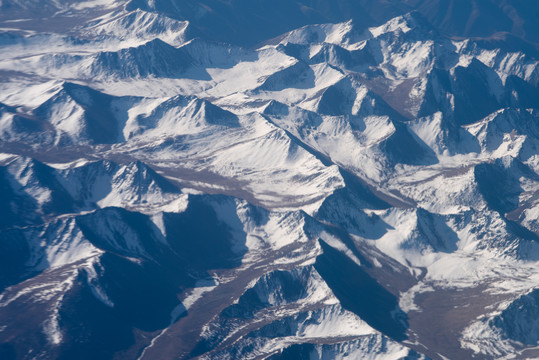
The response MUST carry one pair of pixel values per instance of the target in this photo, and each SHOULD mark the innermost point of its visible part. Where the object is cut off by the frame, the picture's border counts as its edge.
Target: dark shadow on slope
(435, 98)
(186, 109)
(4, 107)
(478, 92)
(138, 273)
(337, 99)
(271, 291)
(277, 109)
(361, 294)
(221, 55)
(343, 208)
(453, 138)
(20, 208)
(284, 287)
(521, 94)
(335, 55)
(22, 126)
(154, 58)
(16, 207)
(146, 176)
(98, 311)
(296, 352)
(143, 295)
(297, 76)
(133, 235)
(341, 97)
(216, 115)
(433, 230)
(359, 188)
(121, 232)
(521, 232)
(92, 329)
(499, 183)
(100, 123)
(298, 51)
(338, 232)
(29, 127)
(14, 253)
(519, 320)
(199, 236)
(404, 147)
(499, 190)
(473, 87)
(7, 352)
(60, 200)
(90, 178)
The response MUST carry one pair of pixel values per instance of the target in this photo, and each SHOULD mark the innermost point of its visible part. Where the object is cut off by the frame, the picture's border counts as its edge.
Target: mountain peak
(412, 21)
(268, 179)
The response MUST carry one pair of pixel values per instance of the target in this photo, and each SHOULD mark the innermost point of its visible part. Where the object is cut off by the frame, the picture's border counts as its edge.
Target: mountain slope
(361, 181)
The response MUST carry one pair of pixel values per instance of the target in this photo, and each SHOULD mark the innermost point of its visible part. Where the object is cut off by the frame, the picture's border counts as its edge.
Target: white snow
(196, 293)
(275, 134)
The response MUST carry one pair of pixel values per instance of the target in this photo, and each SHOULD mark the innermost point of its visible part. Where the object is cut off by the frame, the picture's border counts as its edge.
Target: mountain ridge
(341, 184)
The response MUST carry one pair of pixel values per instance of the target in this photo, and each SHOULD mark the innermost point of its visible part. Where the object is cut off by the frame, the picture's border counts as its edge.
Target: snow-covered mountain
(284, 180)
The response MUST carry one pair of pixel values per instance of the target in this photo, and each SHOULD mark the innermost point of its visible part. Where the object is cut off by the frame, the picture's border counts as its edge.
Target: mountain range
(226, 179)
